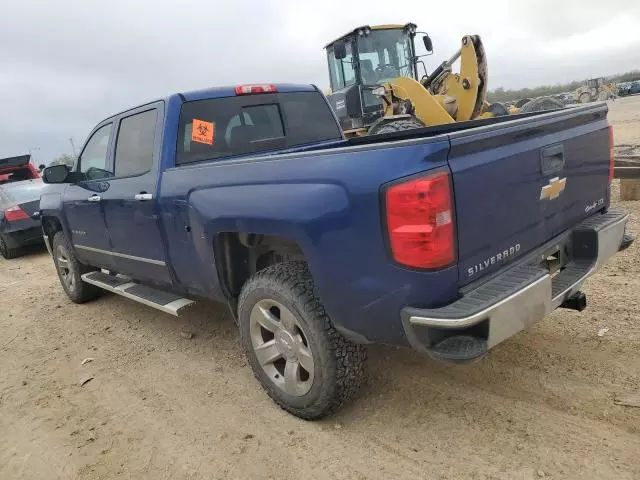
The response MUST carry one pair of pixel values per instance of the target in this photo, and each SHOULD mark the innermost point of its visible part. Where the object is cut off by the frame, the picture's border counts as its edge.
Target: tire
(283, 297)
(396, 126)
(498, 109)
(585, 98)
(70, 271)
(6, 252)
(522, 102)
(603, 96)
(541, 104)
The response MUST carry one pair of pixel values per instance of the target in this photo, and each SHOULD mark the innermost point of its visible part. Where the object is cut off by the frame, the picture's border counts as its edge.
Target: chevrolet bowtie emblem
(554, 189)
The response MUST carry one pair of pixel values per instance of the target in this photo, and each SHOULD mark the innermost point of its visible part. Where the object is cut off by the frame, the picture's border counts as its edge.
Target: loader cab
(595, 82)
(360, 61)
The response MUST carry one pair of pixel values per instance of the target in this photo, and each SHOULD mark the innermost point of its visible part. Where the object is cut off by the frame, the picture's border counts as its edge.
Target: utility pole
(31, 150)
(73, 147)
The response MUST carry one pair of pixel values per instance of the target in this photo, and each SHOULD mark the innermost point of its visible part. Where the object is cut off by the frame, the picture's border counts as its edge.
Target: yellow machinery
(376, 87)
(595, 89)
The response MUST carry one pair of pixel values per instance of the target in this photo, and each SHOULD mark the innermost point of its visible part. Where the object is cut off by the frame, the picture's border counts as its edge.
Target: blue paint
(327, 198)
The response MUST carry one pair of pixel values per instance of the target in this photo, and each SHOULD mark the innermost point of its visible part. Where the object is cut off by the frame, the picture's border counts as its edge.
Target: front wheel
(394, 126)
(70, 271)
(305, 365)
(585, 98)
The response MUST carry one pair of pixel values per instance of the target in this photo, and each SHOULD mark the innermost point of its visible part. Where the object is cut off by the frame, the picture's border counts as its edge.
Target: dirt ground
(162, 405)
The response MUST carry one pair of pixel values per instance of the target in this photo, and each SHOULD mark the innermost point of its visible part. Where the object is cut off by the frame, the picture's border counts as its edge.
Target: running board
(121, 285)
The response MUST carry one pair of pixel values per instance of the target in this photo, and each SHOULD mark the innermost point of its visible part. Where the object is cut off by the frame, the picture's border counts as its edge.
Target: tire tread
(348, 367)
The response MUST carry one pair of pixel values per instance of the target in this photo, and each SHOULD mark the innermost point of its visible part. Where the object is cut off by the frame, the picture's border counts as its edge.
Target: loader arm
(469, 86)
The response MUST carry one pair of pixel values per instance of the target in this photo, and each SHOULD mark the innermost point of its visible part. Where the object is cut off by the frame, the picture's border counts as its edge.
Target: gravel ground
(175, 399)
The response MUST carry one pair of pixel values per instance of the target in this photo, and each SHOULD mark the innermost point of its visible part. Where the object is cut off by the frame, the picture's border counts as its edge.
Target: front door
(83, 207)
(130, 203)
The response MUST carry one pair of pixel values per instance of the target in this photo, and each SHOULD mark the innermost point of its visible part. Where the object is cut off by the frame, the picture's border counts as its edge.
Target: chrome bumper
(524, 294)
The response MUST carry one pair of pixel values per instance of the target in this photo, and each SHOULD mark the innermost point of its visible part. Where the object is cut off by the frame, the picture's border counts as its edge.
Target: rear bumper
(19, 238)
(516, 298)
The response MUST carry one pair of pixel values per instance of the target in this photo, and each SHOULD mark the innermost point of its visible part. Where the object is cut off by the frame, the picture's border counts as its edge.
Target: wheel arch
(50, 226)
(239, 255)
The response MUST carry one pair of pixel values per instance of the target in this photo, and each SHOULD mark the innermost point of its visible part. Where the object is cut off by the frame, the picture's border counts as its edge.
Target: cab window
(93, 160)
(135, 144)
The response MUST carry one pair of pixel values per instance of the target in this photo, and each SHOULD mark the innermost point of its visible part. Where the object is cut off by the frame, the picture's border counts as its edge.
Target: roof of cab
(388, 26)
(219, 92)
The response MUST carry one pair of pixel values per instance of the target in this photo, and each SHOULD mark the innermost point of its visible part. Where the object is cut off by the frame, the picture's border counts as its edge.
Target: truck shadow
(540, 368)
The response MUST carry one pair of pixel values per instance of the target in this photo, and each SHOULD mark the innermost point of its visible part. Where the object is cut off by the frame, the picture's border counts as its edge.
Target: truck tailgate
(518, 185)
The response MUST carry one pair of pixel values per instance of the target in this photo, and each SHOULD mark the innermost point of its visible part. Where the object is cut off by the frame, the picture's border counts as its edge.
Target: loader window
(342, 71)
(384, 55)
(254, 124)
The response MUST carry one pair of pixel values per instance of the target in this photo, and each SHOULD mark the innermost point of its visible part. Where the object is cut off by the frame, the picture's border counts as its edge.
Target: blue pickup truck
(446, 239)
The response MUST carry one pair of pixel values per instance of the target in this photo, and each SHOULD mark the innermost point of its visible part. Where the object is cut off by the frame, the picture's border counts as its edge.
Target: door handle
(94, 198)
(552, 159)
(143, 197)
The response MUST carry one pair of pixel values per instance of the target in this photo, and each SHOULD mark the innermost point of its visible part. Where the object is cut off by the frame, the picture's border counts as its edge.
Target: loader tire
(585, 98)
(498, 109)
(541, 104)
(396, 126)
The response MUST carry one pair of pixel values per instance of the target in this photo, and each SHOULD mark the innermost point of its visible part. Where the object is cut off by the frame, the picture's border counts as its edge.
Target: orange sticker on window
(203, 132)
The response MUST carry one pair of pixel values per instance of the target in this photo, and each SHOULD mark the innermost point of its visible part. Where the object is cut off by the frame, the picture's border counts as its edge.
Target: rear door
(130, 204)
(518, 185)
(82, 201)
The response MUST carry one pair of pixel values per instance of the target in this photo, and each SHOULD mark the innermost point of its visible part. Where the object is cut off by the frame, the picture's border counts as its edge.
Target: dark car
(19, 216)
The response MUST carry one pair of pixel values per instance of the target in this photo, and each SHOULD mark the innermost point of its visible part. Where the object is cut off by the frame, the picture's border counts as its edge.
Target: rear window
(223, 127)
(24, 192)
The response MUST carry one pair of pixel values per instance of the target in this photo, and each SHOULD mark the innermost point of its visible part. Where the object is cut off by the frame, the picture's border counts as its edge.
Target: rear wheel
(7, 252)
(305, 365)
(396, 126)
(70, 271)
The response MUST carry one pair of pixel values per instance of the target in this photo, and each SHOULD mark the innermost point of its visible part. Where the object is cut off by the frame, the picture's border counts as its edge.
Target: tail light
(420, 222)
(15, 213)
(251, 89)
(612, 154)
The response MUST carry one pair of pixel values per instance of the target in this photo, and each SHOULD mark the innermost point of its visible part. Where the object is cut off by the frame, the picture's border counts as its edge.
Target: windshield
(385, 55)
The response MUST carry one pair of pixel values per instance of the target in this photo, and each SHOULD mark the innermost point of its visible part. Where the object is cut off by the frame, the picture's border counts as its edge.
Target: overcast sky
(66, 64)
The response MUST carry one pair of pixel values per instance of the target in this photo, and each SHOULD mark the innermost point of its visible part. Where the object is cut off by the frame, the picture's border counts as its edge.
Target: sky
(66, 64)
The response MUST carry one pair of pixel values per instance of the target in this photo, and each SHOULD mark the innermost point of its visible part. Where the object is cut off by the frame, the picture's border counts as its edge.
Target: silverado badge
(554, 189)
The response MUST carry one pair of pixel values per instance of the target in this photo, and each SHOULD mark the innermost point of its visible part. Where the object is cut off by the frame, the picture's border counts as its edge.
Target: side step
(121, 285)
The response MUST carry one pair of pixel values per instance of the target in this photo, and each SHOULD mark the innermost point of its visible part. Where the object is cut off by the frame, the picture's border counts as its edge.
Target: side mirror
(340, 50)
(428, 44)
(55, 174)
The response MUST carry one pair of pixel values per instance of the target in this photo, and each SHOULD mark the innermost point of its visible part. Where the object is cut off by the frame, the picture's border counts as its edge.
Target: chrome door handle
(143, 197)
(94, 198)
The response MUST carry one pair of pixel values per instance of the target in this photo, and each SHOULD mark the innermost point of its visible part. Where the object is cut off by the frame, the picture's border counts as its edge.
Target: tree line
(503, 95)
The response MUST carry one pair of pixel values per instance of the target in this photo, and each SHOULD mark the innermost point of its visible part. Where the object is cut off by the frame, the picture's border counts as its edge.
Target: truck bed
(337, 216)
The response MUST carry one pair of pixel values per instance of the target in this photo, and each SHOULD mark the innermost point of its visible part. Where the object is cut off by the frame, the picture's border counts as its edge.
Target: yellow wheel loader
(595, 89)
(376, 87)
